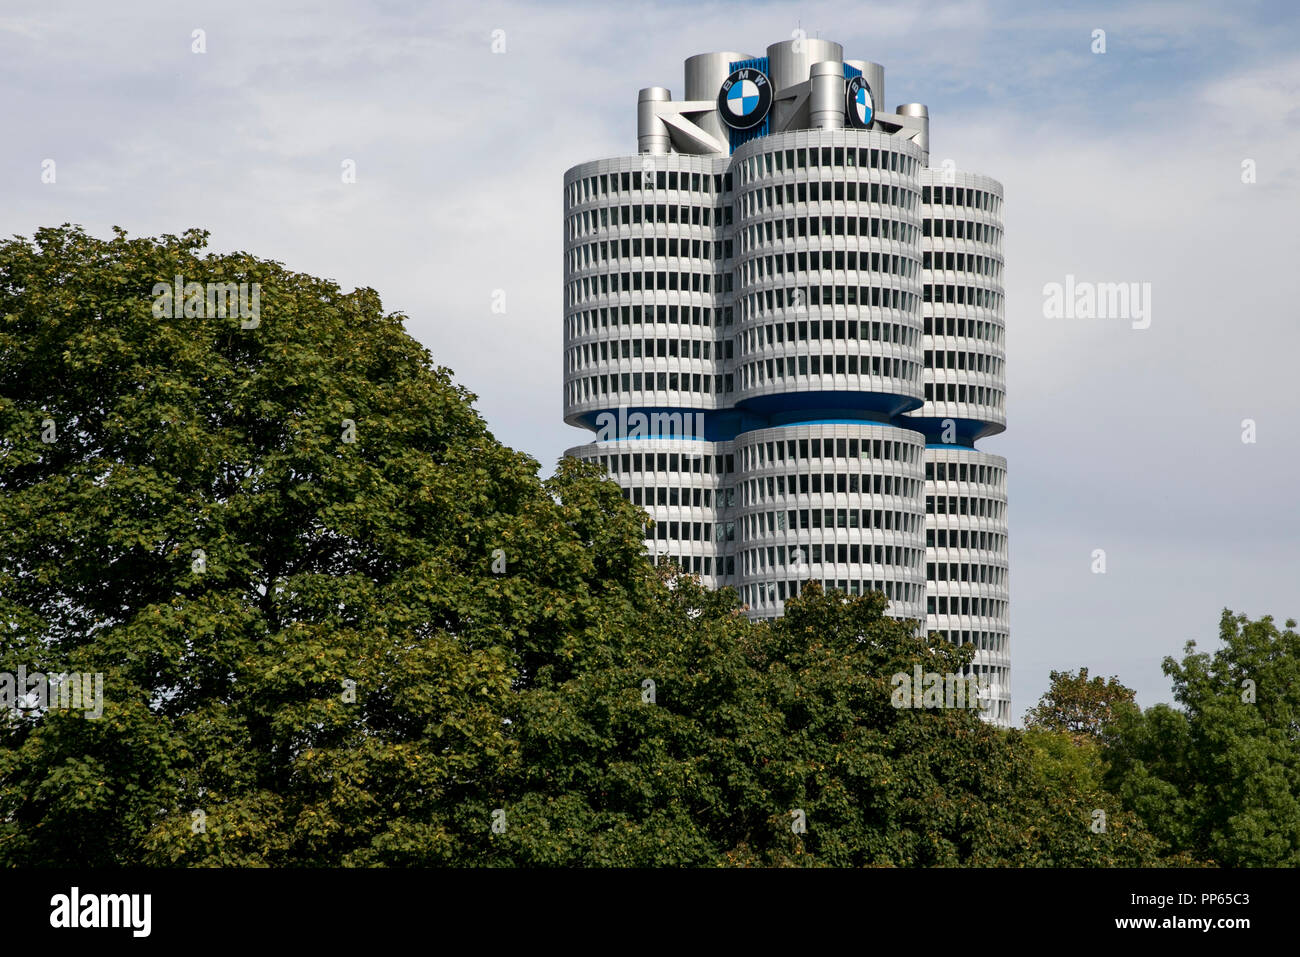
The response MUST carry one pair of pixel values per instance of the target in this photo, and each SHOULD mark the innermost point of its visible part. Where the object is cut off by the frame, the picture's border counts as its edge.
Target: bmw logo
(858, 103)
(744, 99)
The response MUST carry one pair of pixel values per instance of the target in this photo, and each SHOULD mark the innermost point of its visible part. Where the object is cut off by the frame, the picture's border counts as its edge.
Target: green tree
(752, 723)
(1078, 705)
(1220, 777)
(202, 531)
(341, 625)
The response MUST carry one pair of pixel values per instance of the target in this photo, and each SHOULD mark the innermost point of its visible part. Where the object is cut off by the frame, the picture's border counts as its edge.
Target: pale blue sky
(1117, 167)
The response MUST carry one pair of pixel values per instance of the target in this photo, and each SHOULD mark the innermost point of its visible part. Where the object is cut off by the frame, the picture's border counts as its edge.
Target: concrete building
(785, 329)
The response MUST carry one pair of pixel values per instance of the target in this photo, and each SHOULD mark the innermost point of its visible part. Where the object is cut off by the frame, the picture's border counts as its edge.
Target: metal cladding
(922, 114)
(786, 332)
(826, 96)
(651, 131)
(705, 74)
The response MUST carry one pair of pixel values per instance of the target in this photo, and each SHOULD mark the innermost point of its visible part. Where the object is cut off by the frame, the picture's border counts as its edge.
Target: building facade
(786, 330)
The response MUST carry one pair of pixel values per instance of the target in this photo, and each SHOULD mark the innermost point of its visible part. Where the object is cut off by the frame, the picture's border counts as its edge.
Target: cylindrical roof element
(789, 64)
(874, 74)
(921, 112)
(705, 74)
(651, 131)
(826, 101)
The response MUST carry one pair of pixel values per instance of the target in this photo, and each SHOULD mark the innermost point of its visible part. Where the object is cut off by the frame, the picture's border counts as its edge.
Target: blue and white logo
(744, 99)
(858, 103)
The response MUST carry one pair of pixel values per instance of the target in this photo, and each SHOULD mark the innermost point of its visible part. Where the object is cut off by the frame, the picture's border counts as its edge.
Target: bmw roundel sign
(745, 98)
(858, 103)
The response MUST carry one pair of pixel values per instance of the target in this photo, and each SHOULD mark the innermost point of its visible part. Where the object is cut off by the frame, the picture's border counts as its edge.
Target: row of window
(836, 157)
(767, 335)
(799, 298)
(963, 327)
(965, 538)
(665, 462)
(758, 454)
(699, 564)
(758, 235)
(764, 198)
(761, 454)
(590, 221)
(962, 295)
(608, 184)
(757, 524)
(961, 229)
(682, 497)
(844, 260)
(776, 333)
(966, 605)
(982, 640)
(963, 262)
(778, 487)
(965, 505)
(755, 374)
(588, 321)
(607, 350)
(962, 196)
(975, 573)
(693, 531)
(662, 247)
(965, 472)
(668, 496)
(581, 290)
(755, 561)
(771, 593)
(967, 361)
(759, 373)
(960, 392)
(594, 387)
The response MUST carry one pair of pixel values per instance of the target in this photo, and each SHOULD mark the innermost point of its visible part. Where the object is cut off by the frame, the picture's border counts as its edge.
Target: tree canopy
(339, 624)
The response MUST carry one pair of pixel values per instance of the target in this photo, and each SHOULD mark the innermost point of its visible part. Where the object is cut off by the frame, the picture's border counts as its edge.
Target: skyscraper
(786, 329)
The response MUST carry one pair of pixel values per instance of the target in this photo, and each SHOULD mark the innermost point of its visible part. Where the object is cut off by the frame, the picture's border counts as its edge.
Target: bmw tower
(785, 329)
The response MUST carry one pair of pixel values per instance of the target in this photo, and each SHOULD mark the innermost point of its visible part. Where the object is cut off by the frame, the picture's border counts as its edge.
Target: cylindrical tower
(829, 275)
(647, 339)
(787, 334)
(967, 597)
(645, 322)
(836, 503)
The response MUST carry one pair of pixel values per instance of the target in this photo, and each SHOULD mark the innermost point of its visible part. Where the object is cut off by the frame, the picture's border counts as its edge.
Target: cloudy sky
(1123, 166)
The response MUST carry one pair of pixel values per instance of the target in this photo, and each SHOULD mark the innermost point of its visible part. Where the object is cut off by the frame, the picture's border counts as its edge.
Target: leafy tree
(752, 723)
(324, 562)
(340, 624)
(1078, 705)
(1220, 777)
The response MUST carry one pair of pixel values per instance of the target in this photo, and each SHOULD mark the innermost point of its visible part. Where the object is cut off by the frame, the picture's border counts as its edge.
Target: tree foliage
(1220, 777)
(1078, 705)
(341, 625)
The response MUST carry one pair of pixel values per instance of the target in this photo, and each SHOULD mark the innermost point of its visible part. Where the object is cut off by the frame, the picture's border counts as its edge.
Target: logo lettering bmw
(744, 99)
(858, 103)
